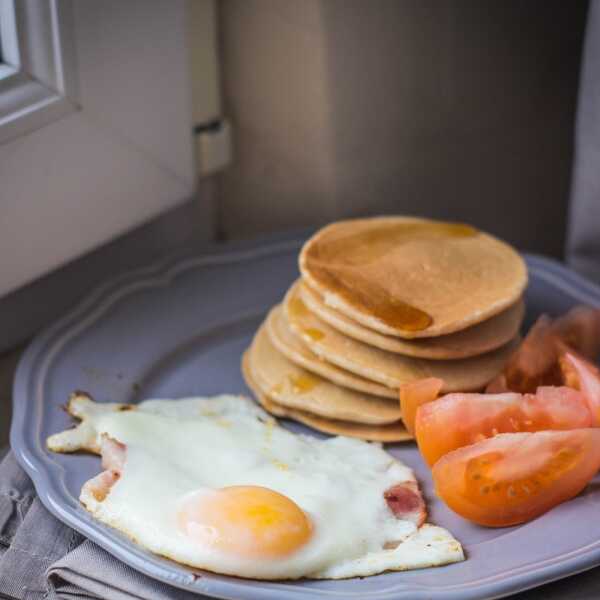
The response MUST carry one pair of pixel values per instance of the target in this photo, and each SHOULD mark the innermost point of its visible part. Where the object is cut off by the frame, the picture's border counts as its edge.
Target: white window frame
(9, 49)
(95, 127)
(38, 78)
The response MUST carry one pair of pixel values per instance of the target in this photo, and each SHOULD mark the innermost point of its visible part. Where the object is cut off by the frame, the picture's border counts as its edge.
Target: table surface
(583, 586)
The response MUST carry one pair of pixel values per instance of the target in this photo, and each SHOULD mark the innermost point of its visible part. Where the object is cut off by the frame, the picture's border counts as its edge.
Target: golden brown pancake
(478, 339)
(294, 387)
(411, 277)
(293, 349)
(387, 368)
(394, 432)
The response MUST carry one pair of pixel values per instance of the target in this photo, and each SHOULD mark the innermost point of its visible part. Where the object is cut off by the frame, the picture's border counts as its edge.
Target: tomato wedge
(457, 420)
(515, 477)
(583, 375)
(498, 385)
(580, 330)
(535, 362)
(413, 394)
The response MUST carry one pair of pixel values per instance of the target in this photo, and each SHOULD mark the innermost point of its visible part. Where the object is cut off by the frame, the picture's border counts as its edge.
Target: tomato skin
(413, 394)
(535, 362)
(457, 420)
(498, 385)
(579, 329)
(583, 375)
(515, 477)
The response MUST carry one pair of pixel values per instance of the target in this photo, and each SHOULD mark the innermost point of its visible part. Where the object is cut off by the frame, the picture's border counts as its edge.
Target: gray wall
(458, 109)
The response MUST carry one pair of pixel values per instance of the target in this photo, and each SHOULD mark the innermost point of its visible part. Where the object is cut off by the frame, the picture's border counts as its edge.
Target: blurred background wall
(461, 109)
(456, 109)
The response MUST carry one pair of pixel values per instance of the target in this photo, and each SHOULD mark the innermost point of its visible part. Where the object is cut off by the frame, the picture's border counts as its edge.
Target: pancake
(412, 278)
(478, 339)
(387, 368)
(294, 387)
(293, 349)
(395, 432)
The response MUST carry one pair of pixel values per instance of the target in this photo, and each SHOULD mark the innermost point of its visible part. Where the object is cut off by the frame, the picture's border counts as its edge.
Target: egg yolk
(249, 521)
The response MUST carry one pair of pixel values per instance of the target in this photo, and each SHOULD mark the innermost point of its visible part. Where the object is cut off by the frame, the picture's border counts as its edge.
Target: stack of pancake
(383, 302)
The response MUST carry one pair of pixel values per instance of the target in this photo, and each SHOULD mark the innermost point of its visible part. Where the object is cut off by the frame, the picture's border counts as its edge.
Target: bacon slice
(113, 460)
(406, 502)
(100, 485)
(113, 454)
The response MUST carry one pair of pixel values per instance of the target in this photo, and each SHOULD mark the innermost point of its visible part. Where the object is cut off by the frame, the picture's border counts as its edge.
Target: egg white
(178, 447)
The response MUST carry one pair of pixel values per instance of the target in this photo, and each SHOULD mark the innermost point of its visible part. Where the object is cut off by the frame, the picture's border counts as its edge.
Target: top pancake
(411, 277)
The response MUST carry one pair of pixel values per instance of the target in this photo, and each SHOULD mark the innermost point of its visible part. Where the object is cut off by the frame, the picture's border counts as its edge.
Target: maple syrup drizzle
(332, 263)
(298, 311)
(302, 384)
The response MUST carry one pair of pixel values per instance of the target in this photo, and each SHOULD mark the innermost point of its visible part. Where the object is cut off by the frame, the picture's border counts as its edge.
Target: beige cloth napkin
(43, 559)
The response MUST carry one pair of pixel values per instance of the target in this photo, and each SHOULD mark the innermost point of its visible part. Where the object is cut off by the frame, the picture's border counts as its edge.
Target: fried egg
(217, 484)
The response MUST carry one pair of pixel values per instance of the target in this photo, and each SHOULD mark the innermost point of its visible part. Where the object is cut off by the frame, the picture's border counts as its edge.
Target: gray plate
(178, 329)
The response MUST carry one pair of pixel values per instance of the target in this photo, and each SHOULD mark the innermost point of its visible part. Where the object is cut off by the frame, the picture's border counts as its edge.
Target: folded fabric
(43, 559)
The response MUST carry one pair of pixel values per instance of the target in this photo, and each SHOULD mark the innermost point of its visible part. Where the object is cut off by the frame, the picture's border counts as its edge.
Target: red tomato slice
(515, 477)
(458, 420)
(583, 375)
(413, 394)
